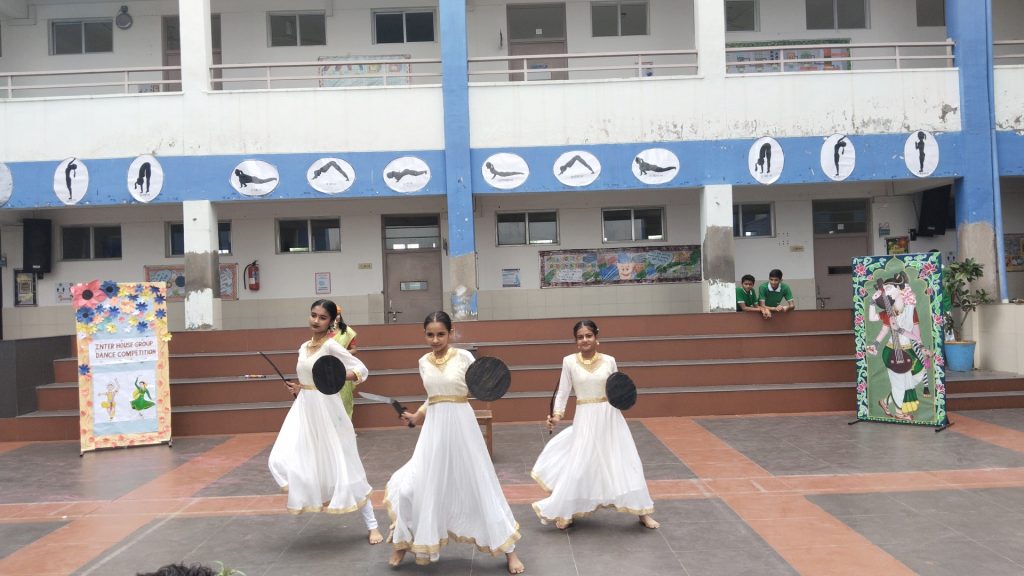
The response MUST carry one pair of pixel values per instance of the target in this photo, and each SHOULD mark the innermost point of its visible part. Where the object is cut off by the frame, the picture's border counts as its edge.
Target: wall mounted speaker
(37, 243)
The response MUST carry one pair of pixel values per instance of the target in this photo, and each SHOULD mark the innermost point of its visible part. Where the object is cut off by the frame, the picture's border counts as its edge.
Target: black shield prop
(488, 378)
(329, 374)
(620, 390)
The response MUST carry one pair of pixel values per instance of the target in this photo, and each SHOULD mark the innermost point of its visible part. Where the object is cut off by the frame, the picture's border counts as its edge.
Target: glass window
(543, 227)
(840, 216)
(106, 242)
(326, 235)
(412, 233)
(521, 228)
(81, 36)
(99, 37)
(752, 220)
(293, 235)
(76, 243)
(836, 14)
(224, 237)
(176, 238)
(511, 229)
(740, 15)
(931, 13)
(618, 18)
(400, 27)
(633, 225)
(297, 29)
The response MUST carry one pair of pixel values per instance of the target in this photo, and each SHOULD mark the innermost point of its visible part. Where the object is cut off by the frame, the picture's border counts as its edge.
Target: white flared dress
(448, 490)
(314, 457)
(593, 463)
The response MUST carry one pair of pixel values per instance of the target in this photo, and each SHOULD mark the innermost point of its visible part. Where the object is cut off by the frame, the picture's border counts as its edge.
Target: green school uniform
(773, 298)
(748, 298)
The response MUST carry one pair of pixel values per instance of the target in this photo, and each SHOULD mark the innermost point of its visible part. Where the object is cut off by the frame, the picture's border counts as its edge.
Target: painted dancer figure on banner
(904, 354)
(109, 402)
(141, 398)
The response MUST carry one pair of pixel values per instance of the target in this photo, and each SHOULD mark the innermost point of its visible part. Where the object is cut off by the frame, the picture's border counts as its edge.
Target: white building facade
(498, 158)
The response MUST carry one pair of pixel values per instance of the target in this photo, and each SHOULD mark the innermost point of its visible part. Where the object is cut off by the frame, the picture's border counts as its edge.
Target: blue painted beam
(455, 94)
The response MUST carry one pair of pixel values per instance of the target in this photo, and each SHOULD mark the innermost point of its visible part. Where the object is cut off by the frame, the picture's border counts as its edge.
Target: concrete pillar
(458, 172)
(978, 201)
(709, 16)
(718, 255)
(202, 266)
(196, 45)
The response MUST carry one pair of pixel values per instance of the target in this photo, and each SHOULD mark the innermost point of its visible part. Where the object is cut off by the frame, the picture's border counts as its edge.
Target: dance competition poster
(617, 266)
(897, 307)
(124, 394)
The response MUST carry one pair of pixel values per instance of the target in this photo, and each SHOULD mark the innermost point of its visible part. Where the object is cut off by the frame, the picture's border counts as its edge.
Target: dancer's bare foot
(562, 524)
(515, 566)
(376, 537)
(649, 522)
(396, 558)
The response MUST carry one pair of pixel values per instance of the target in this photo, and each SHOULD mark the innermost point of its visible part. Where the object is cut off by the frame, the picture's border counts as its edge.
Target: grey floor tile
(957, 558)
(1008, 417)
(730, 561)
(14, 536)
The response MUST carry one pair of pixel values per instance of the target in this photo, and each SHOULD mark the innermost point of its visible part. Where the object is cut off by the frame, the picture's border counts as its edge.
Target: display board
(174, 277)
(617, 266)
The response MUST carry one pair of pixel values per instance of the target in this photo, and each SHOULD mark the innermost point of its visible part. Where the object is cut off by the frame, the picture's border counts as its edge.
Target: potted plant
(956, 280)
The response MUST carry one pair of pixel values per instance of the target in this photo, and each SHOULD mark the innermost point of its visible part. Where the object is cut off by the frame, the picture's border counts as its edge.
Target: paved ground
(764, 495)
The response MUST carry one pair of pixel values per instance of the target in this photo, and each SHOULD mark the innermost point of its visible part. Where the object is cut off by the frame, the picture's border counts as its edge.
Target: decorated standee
(897, 307)
(124, 392)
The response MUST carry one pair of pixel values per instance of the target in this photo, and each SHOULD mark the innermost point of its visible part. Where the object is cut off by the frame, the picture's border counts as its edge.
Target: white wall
(1009, 95)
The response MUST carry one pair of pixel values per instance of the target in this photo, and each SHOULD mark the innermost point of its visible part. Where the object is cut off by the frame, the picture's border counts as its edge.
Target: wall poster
(174, 277)
(345, 71)
(897, 307)
(1013, 246)
(123, 377)
(617, 266)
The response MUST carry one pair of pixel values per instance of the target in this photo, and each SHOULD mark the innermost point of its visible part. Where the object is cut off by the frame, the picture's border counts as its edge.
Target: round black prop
(488, 378)
(620, 390)
(328, 374)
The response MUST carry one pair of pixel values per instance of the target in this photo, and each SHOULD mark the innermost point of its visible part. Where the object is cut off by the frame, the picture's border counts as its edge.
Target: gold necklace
(444, 359)
(313, 345)
(584, 361)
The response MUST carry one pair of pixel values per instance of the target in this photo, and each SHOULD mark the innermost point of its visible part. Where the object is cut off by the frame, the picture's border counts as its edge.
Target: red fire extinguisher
(252, 276)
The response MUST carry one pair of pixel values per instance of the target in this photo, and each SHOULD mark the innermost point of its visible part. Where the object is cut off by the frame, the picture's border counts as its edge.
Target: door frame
(384, 256)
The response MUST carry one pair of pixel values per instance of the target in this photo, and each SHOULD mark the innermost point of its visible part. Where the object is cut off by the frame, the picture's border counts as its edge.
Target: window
(81, 36)
(91, 242)
(412, 232)
(176, 238)
(836, 14)
(750, 220)
(520, 228)
(931, 13)
(297, 29)
(619, 18)
(321, 235)
(399, 27)
(741, 16)
(840, 216)
(633, 224)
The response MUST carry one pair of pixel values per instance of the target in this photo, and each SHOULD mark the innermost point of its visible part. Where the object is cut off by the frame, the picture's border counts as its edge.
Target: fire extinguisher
(252, 276)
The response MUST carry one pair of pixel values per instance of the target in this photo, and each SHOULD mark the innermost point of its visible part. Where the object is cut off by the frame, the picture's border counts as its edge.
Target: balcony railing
(752, 58)
(97, 81)
(583, 66)
(327, 73)
(1008, 52)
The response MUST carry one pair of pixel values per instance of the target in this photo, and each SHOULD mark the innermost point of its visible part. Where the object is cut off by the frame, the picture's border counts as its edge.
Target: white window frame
(757, 15)
(738, 231)
(529, 241)
(81, 31)
(632, 227)
(405, 28)
(310, 249)
(618, 21)
(168, 247)
(92, 241)
(835, 17)
(298, 29)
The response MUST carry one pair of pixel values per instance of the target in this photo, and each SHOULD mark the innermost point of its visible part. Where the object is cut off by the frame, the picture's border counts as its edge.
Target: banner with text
(617, 266)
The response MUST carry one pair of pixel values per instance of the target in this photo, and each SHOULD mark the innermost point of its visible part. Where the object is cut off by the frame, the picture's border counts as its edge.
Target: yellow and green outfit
(345, 339)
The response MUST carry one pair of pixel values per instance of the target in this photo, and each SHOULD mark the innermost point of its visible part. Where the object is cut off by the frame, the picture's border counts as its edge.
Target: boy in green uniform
(746, 298)
(775, 295)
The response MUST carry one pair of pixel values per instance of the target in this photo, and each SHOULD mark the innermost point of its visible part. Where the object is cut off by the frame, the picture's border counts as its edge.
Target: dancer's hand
(292, 387)
(413, 417)
(553, 421)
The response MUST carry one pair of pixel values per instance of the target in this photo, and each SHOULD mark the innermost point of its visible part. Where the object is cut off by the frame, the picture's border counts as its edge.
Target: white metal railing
(820, 57)
(328, 73)
(1008, 52)
(11, 83)
(533, 67)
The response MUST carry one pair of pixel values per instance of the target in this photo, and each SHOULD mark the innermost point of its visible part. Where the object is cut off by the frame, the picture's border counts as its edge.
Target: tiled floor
(768, 495)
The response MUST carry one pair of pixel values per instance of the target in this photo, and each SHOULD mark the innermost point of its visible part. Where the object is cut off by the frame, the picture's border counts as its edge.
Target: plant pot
(960, 356)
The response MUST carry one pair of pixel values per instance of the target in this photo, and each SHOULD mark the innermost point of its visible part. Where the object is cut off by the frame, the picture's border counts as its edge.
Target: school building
(501, 159)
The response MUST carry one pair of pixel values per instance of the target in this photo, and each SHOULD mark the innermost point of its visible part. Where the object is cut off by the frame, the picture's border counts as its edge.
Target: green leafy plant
(956, 283)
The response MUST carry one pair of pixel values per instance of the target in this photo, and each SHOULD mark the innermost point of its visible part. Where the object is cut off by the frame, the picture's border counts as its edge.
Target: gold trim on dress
(537, 479)
(325, 509)
(589, 365)
(307, 386)
(431, 549)
(546, 520)
(559, 413)
(591, 400)
(442, 398)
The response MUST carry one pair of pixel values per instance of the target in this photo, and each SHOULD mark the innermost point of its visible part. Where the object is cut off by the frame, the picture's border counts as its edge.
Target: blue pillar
(978, 201)
(458, 174)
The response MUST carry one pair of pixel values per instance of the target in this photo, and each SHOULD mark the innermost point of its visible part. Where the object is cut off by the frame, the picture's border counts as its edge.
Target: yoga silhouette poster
(330, 175)
(6, 184)
(655, 166)
(921, 153)
(617, 266)
(577, 168)
(254, 178)
(145, 178)
(898, 329)
(407, 174)
(838, 157)
(124, 395)
(505, 171)
(70, 181)
(765, 160)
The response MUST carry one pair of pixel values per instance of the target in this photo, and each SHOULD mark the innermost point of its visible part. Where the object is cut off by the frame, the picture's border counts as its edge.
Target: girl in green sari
(346, 336)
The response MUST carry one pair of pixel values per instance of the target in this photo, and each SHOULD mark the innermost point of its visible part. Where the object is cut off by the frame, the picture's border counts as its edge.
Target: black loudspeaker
(934, 211)
(37, 245)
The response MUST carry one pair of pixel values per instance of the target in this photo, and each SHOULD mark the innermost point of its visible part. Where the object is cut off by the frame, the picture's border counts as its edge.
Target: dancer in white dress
(593, 463)
(314, 457)
(448, 490)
